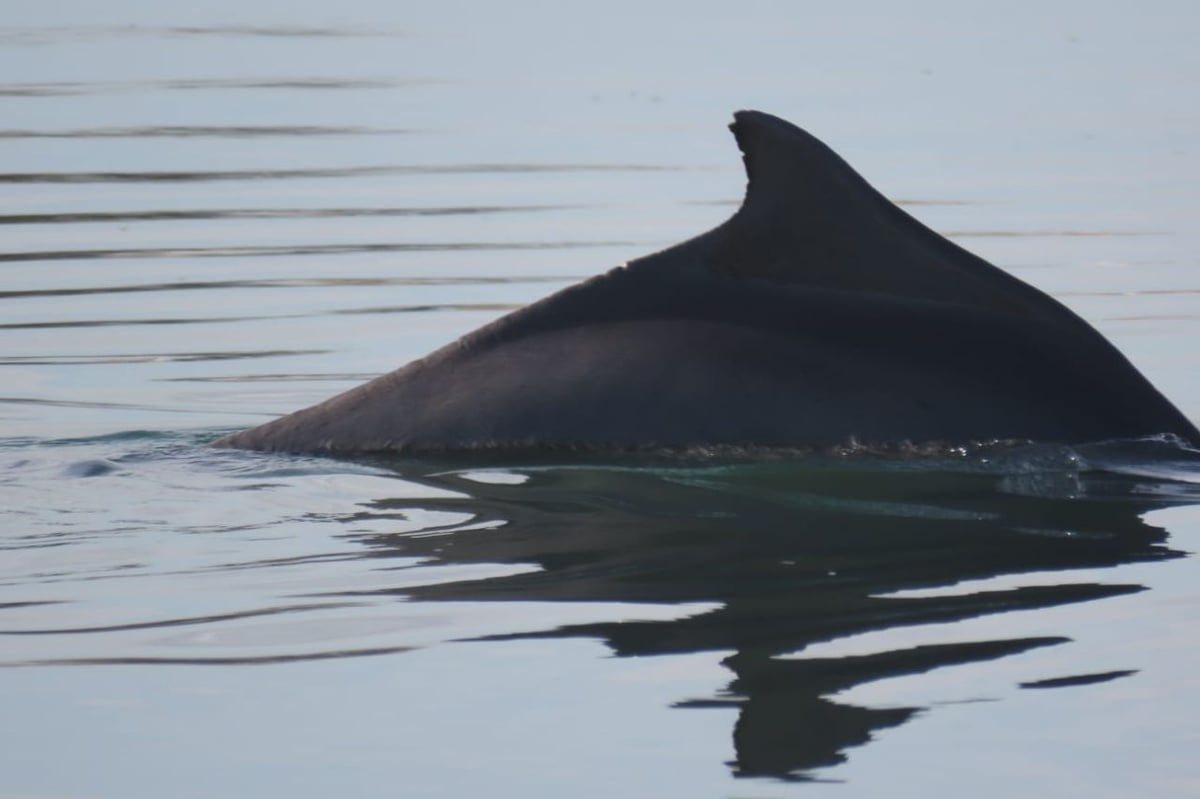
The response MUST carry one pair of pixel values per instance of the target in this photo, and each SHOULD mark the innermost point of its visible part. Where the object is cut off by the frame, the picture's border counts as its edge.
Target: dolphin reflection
(793, 553)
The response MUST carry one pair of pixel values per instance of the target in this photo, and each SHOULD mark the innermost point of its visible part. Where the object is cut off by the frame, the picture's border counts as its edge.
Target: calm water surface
(210, 216)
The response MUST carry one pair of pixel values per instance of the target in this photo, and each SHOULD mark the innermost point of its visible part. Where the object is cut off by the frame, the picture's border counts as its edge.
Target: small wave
(302, 249)
(191, 176)
(269, 213)
(150, 357)
(14, 36)
(86, 88)
(1005, 234)
(97, 405)
(233, 660)
(199, 131)
(315, 282)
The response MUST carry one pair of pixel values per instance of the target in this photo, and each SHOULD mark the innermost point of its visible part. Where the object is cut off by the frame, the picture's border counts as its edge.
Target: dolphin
(818, 315)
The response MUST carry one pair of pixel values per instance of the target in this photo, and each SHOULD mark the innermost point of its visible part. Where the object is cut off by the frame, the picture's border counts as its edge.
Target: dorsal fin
(809, 219)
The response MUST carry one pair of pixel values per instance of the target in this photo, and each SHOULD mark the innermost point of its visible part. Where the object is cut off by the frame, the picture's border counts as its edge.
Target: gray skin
(819, 314)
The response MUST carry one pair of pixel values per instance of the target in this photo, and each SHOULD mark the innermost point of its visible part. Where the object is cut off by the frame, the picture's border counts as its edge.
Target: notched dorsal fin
(809, 219)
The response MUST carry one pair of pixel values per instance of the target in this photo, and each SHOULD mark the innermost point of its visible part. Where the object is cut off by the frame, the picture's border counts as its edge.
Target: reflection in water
(792, 553)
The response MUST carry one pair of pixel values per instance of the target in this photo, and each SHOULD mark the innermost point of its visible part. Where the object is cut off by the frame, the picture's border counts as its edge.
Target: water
(214, 215)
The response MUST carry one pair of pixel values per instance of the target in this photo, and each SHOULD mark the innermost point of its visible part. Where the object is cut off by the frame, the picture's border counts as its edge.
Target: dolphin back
(819, 314)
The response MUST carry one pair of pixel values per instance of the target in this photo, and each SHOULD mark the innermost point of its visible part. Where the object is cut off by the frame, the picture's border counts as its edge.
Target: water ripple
(314, 282)
(325, 377)
(185, 621)
(248, 660)
(188, 176)
(971, 234)
(82, 323)
(78, 88)
(302, 249)
(154, 357)
(267, 213)
(198, 131)
(50, 34)
(425, 308)
(56, 403)
(205, 320)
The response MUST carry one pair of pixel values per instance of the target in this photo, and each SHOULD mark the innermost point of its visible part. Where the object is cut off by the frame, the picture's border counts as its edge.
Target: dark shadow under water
(796, 552)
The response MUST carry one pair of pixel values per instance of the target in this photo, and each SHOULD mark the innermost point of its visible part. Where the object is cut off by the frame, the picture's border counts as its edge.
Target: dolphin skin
(818, 315)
